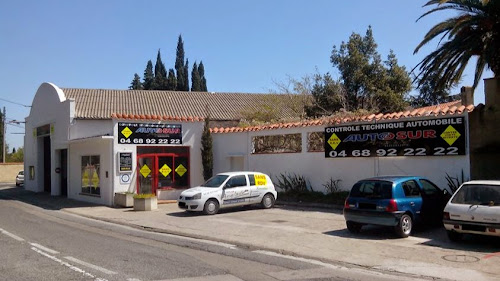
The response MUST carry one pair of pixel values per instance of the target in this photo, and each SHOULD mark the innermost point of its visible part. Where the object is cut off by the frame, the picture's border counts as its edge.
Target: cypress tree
(195, 79)
(206, 150)
(148, 76)
(171, 80)
(160, 74)
(203, 81)
(179, 66)
(186, 76)
(136, 83)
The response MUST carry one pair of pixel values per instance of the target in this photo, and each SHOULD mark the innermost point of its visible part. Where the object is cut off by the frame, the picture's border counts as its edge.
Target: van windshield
(372, 189)
(215, 181)
(478, 194)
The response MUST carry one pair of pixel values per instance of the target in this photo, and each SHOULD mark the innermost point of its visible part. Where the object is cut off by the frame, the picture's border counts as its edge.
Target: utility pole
(3, 136)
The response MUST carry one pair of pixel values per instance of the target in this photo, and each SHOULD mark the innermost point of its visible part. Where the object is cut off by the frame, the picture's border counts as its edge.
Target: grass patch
(144, 195)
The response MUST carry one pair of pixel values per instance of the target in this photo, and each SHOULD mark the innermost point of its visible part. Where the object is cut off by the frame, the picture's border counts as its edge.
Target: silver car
(474, 209)
(20, 178)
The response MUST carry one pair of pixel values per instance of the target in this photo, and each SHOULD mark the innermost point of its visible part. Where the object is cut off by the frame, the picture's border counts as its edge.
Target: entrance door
(162, 171)
(145, 175)
(165, 171)
(64, 173)
(46, 164)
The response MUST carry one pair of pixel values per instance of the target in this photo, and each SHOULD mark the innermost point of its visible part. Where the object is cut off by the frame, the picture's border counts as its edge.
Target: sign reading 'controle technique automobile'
(141, 133)
(426, 137)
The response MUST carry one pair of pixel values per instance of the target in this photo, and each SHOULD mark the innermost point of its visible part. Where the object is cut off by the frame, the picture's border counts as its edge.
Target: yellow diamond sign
(450, 135)
(181, 170)
(85, 178)
(334, 141)
(165, 170)
(126, 132)
(145, 171)
(95, 180)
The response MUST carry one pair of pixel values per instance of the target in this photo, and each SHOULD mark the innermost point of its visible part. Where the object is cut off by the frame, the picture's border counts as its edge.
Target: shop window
(290, 143)
(91, 183)
(316, 142)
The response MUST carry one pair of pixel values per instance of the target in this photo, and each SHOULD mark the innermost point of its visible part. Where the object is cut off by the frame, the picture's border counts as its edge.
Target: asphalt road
(40, 244)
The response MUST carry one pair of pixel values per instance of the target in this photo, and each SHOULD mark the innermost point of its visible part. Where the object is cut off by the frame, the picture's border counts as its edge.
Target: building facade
(88, 144)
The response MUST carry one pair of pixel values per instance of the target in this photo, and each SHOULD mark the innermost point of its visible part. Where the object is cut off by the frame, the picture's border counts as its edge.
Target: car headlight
(197, 196)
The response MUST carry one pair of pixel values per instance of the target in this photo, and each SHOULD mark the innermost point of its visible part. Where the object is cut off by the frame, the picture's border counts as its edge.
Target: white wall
(49, 107)
(318, 169)
(91, 147)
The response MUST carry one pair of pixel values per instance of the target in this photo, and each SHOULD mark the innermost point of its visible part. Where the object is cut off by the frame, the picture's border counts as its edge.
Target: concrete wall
(485, 134)
(319, 170)
(9, 171)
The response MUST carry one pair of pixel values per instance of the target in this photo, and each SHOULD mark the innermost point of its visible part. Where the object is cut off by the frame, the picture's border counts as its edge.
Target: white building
(88, 144)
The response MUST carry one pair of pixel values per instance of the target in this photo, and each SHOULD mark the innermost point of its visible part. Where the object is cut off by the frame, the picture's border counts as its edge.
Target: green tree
(201, 72)
(430, 94)
(369, 83)
(148, 76)
(195, 79)
(179, 66)
(171, 80)
(206, 150)
(329, 96)
(16, 155)
(186, 76)
(474, 32)
(136, 83)
(160, 81)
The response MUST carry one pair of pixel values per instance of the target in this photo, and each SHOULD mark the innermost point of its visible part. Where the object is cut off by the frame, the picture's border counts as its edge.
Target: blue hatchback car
(396, 201)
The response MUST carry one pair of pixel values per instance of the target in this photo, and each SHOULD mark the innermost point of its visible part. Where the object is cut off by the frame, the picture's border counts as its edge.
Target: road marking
(103, 270)
(316, 262)
(54, 252)
(491, 255)
(72, 267)
(226, 277)
(11, 235)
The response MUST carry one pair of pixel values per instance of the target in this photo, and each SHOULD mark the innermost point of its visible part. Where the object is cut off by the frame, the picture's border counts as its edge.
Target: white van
(228, 190)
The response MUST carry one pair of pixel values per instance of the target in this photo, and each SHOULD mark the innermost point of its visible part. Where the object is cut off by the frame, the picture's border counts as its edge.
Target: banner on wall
(143, 133)
(425, 137)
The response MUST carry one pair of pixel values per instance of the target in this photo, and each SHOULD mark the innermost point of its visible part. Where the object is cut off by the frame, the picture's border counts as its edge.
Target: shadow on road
(40, 199)
(435, 236)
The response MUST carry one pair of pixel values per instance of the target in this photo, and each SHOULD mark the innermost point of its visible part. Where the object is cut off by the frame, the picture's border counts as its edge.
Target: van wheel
(211, 207)
(454, 236)
(353, 227)
(267, 201)
(404, 227)
(17, 184)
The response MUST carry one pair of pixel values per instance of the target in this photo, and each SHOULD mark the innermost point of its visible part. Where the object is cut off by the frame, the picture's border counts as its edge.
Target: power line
(13, 102)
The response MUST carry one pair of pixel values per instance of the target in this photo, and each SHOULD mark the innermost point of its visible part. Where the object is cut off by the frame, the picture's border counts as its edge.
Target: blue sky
(245, 45)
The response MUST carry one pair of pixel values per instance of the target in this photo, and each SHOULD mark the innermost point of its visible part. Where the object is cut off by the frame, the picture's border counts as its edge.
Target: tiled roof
(135, 104)
(450, 108)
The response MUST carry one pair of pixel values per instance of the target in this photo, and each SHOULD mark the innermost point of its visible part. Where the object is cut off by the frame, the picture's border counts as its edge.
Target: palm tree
(473, 33)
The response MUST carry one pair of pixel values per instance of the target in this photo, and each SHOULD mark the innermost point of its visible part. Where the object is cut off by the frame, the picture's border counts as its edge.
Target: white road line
(11, 235)
(54, 252)
(316, 262)
(72, 267)
(89, 265)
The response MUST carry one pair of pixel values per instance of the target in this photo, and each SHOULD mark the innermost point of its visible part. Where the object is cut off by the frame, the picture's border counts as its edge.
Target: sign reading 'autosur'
(426, 137)
(143, 133)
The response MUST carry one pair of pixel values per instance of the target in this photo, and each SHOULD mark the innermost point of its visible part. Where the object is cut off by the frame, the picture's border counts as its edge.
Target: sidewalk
(311, 233)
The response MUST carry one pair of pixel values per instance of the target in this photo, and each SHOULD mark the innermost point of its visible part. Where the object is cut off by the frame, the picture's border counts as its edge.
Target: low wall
(9, 171)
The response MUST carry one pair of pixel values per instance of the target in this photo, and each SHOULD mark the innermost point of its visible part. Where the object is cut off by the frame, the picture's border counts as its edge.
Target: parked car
(20, 178)
(228, 190)
(396, 201)
(475, 209)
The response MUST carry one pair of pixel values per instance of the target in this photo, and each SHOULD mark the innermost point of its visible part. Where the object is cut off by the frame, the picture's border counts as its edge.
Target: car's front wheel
(404, 227)
(211, 207)
(353, 227)
(267, 201)
(454, 236)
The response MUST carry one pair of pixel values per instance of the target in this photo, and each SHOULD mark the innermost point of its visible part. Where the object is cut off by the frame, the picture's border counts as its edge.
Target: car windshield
(215, 181)
(372, 189)
(21, 173)
(478, 194)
